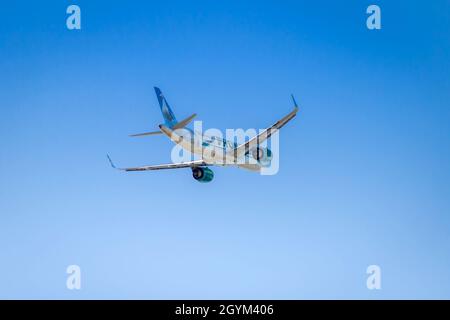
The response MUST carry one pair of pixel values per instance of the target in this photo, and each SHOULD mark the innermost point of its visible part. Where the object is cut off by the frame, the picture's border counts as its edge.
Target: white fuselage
(212, 149)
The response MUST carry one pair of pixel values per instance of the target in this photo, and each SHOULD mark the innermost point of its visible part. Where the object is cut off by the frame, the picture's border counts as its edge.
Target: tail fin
(169, 117)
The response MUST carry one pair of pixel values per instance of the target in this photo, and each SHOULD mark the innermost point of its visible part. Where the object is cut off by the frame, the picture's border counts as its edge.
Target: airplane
(213, 150)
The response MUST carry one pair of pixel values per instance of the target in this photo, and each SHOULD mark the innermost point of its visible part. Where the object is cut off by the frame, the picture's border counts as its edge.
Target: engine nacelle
(202, 174)
(262, 155)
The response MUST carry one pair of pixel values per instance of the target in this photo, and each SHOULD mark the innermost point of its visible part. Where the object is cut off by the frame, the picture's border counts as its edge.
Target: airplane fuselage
(214, 150)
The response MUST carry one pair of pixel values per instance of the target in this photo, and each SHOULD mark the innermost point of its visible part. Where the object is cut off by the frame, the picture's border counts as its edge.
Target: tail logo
(166, 112)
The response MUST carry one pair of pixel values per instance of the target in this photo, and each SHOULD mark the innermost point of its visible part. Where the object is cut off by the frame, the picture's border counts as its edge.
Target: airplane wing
(264, 135)
(188, 164)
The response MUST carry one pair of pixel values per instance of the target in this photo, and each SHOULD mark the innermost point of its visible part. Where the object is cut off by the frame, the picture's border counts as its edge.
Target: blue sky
(365, 167)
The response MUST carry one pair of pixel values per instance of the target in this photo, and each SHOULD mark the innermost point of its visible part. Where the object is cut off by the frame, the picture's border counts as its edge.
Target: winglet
(110, 161)
(295, 102)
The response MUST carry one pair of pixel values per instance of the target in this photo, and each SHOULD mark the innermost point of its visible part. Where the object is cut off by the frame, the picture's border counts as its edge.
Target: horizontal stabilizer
(185, 122)
(145, 134)
(179, 125)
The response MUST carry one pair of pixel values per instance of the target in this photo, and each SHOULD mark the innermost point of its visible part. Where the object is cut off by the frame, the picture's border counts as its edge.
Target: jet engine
(262, 155)
(202, 174)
